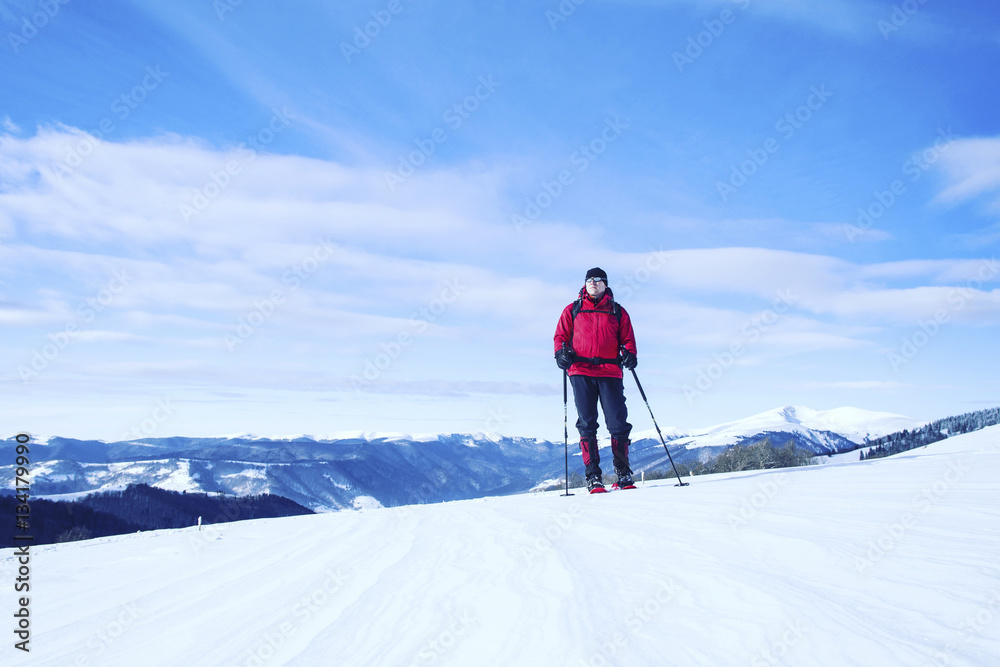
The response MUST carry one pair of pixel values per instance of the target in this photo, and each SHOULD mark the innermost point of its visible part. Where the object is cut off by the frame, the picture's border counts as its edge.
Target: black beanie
(598, 273)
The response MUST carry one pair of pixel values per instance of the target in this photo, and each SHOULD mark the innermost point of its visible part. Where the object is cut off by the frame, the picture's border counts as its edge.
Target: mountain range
(371, 470)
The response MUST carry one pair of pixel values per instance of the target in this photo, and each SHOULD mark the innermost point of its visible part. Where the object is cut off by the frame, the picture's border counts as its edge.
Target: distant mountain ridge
(320, 475)
(372, 470)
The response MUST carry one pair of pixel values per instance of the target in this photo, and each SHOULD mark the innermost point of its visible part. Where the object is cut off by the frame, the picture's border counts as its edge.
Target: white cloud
(838, 16)
(972, 170)
(13, 315)
(121, 207)
(96, 336)
(355, 267)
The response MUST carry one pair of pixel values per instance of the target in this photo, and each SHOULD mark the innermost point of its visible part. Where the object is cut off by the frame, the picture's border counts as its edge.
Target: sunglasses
(595, 280)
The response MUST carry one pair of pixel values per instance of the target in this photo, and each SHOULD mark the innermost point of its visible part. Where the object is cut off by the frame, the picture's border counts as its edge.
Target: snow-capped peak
(852, 423)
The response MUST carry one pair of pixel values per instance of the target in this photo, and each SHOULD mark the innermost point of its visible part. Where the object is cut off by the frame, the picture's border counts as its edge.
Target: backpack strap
(616, 310)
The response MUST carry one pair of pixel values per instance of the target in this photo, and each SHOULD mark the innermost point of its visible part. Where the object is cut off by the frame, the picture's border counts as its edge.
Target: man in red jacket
(593, 340)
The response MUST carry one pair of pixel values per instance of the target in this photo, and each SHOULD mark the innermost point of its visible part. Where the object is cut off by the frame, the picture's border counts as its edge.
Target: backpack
(616, 310)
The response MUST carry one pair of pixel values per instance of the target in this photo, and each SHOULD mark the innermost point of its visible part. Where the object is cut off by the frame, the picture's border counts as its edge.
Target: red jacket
(595, 332)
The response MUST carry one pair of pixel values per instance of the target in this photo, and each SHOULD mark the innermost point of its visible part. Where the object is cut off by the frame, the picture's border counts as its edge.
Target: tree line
(758, 455)
(936, 431)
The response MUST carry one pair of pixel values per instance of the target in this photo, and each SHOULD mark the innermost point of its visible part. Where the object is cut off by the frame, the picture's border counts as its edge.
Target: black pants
(587, 391)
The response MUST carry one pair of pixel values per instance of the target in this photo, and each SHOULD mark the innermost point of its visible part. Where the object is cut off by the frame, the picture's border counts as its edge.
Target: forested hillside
(933, 432)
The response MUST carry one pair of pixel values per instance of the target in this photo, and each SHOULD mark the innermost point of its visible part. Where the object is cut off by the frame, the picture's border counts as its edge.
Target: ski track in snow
(862, 563)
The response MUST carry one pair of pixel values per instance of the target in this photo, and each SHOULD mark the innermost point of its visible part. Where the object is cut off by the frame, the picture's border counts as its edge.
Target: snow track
(885, 562)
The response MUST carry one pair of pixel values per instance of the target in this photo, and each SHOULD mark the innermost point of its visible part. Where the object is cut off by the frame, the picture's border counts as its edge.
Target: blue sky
(230, 217)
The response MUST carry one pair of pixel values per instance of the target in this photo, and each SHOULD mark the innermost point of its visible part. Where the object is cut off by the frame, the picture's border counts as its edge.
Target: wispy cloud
(972, 170)
(277, 210)
(266, 75)
(318, 276)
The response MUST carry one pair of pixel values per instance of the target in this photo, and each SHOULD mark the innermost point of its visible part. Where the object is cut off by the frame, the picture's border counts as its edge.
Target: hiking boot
(595, 484)
(624, 480)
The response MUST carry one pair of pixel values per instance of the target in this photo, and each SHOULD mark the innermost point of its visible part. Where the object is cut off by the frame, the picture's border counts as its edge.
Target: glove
(628, 360)
(564, 358)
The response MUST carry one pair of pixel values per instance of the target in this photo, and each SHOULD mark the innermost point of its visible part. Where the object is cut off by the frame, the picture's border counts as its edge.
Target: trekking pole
(680, 483)
(566, 432)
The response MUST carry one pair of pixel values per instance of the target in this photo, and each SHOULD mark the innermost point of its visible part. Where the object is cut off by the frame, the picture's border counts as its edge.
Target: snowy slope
(885, 562)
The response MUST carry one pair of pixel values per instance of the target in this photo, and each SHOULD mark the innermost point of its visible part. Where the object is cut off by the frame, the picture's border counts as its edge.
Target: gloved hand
(564, 358)
(628, 360)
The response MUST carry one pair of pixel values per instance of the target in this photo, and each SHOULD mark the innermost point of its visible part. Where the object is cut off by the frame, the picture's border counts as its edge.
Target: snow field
(884, 562)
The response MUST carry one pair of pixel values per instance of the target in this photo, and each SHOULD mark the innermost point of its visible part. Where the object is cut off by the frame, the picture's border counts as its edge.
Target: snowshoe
(624, 480)
(595, 485)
